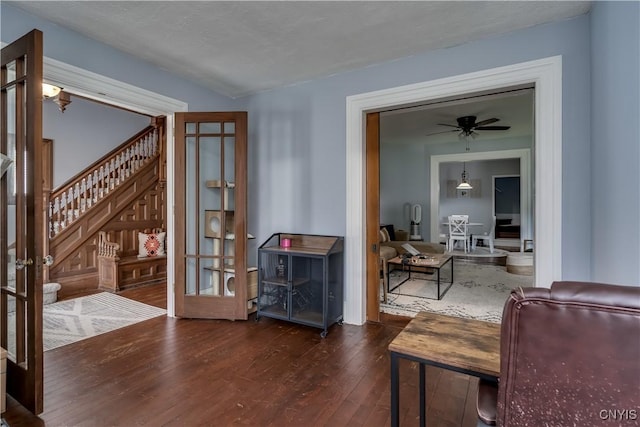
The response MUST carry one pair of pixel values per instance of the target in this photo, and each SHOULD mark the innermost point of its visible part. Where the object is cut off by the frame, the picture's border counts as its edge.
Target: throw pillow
(151, 245)
(390, 230)
(384, 235)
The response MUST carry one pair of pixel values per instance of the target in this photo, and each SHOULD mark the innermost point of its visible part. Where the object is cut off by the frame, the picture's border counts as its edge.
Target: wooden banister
(69, 201)
(106, 248)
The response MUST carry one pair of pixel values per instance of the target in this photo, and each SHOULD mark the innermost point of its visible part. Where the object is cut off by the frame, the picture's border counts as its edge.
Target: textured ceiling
(238, 48)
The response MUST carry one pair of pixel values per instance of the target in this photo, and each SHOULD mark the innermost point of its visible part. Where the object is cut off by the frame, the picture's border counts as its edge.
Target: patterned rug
(478, 292)
(69, 321)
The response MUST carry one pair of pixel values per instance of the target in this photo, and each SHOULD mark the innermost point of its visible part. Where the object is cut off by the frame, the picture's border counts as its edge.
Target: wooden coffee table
(433, 261)
(467, 346)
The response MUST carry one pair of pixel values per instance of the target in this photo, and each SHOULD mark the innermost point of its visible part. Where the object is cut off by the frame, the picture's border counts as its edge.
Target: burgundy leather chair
(569, 356)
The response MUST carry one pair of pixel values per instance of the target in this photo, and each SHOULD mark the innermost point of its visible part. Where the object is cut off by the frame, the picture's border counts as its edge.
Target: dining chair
(486, 237)
(458, 231)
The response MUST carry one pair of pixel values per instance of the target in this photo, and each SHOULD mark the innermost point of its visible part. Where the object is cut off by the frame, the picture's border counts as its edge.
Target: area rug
(72, 320)
(479, 291)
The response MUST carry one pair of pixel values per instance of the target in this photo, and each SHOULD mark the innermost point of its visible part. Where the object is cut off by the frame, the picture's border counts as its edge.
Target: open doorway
(96, 87)
(546, 75)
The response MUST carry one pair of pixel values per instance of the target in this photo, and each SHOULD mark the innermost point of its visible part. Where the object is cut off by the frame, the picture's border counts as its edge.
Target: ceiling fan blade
(453, 126)
(486, 122)
(492, 128)
(444, 131)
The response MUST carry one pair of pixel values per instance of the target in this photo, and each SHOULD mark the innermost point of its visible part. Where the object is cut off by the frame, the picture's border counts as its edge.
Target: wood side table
(467, 346)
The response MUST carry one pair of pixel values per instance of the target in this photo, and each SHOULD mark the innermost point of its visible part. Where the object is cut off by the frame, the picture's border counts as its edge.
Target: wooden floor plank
(172, 372)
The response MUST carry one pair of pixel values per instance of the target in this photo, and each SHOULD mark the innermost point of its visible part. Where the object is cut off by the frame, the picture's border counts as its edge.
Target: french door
(22, 219)
(210, 215)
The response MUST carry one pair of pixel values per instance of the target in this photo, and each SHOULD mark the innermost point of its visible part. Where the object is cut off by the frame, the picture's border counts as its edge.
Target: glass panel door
(22, 218)
(211, 198)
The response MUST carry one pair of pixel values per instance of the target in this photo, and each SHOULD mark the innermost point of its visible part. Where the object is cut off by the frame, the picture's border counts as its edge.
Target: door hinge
(374, 248)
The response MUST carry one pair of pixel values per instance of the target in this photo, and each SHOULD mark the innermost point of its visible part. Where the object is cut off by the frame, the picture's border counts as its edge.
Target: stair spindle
(51, 222)
(112, 172)
(127, 156)
(57, 209)
(89, 190)
(83, 196)
(136, 148)
(123, 167)
(63, 210)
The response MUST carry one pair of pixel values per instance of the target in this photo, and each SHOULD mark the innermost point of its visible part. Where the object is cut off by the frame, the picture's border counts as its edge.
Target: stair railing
(79, 194)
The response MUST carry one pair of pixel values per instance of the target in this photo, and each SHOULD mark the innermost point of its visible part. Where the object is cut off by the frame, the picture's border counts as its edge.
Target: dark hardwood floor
(172, 372)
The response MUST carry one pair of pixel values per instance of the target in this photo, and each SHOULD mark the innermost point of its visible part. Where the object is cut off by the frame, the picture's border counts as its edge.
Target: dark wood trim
(25, 369)
(373, 215)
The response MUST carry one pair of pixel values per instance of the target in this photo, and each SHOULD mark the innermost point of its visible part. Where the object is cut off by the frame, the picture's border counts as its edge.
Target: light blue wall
(85, 132)
(405, 174)
(74, 49)
(297, 136)
(615, 142)
(479, 207)
(404, 181)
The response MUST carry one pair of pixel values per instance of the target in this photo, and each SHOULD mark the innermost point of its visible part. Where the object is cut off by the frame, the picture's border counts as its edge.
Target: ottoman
(520, 263)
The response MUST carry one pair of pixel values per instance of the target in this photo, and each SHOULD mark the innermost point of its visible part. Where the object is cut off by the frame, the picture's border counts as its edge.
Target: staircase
(123, 189)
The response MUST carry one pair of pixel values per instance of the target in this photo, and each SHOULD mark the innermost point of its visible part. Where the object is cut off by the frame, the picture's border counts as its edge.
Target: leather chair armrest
(487, 401)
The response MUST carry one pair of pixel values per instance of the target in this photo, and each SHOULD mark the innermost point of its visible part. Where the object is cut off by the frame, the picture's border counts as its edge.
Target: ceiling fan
(467, 126)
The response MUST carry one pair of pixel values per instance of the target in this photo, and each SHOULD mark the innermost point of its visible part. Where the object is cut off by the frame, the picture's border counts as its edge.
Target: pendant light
(464, 185)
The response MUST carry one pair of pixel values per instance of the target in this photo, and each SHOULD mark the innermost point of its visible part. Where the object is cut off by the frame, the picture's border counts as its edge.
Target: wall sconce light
(63, 99)
(59, 97)
(49, 91)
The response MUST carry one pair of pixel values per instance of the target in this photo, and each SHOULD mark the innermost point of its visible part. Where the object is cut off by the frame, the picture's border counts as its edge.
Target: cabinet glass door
(274, 293)
(210, 226)
(306, 293)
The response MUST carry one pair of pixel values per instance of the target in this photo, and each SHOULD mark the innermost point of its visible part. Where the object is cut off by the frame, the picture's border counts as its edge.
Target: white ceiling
(239, 48)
